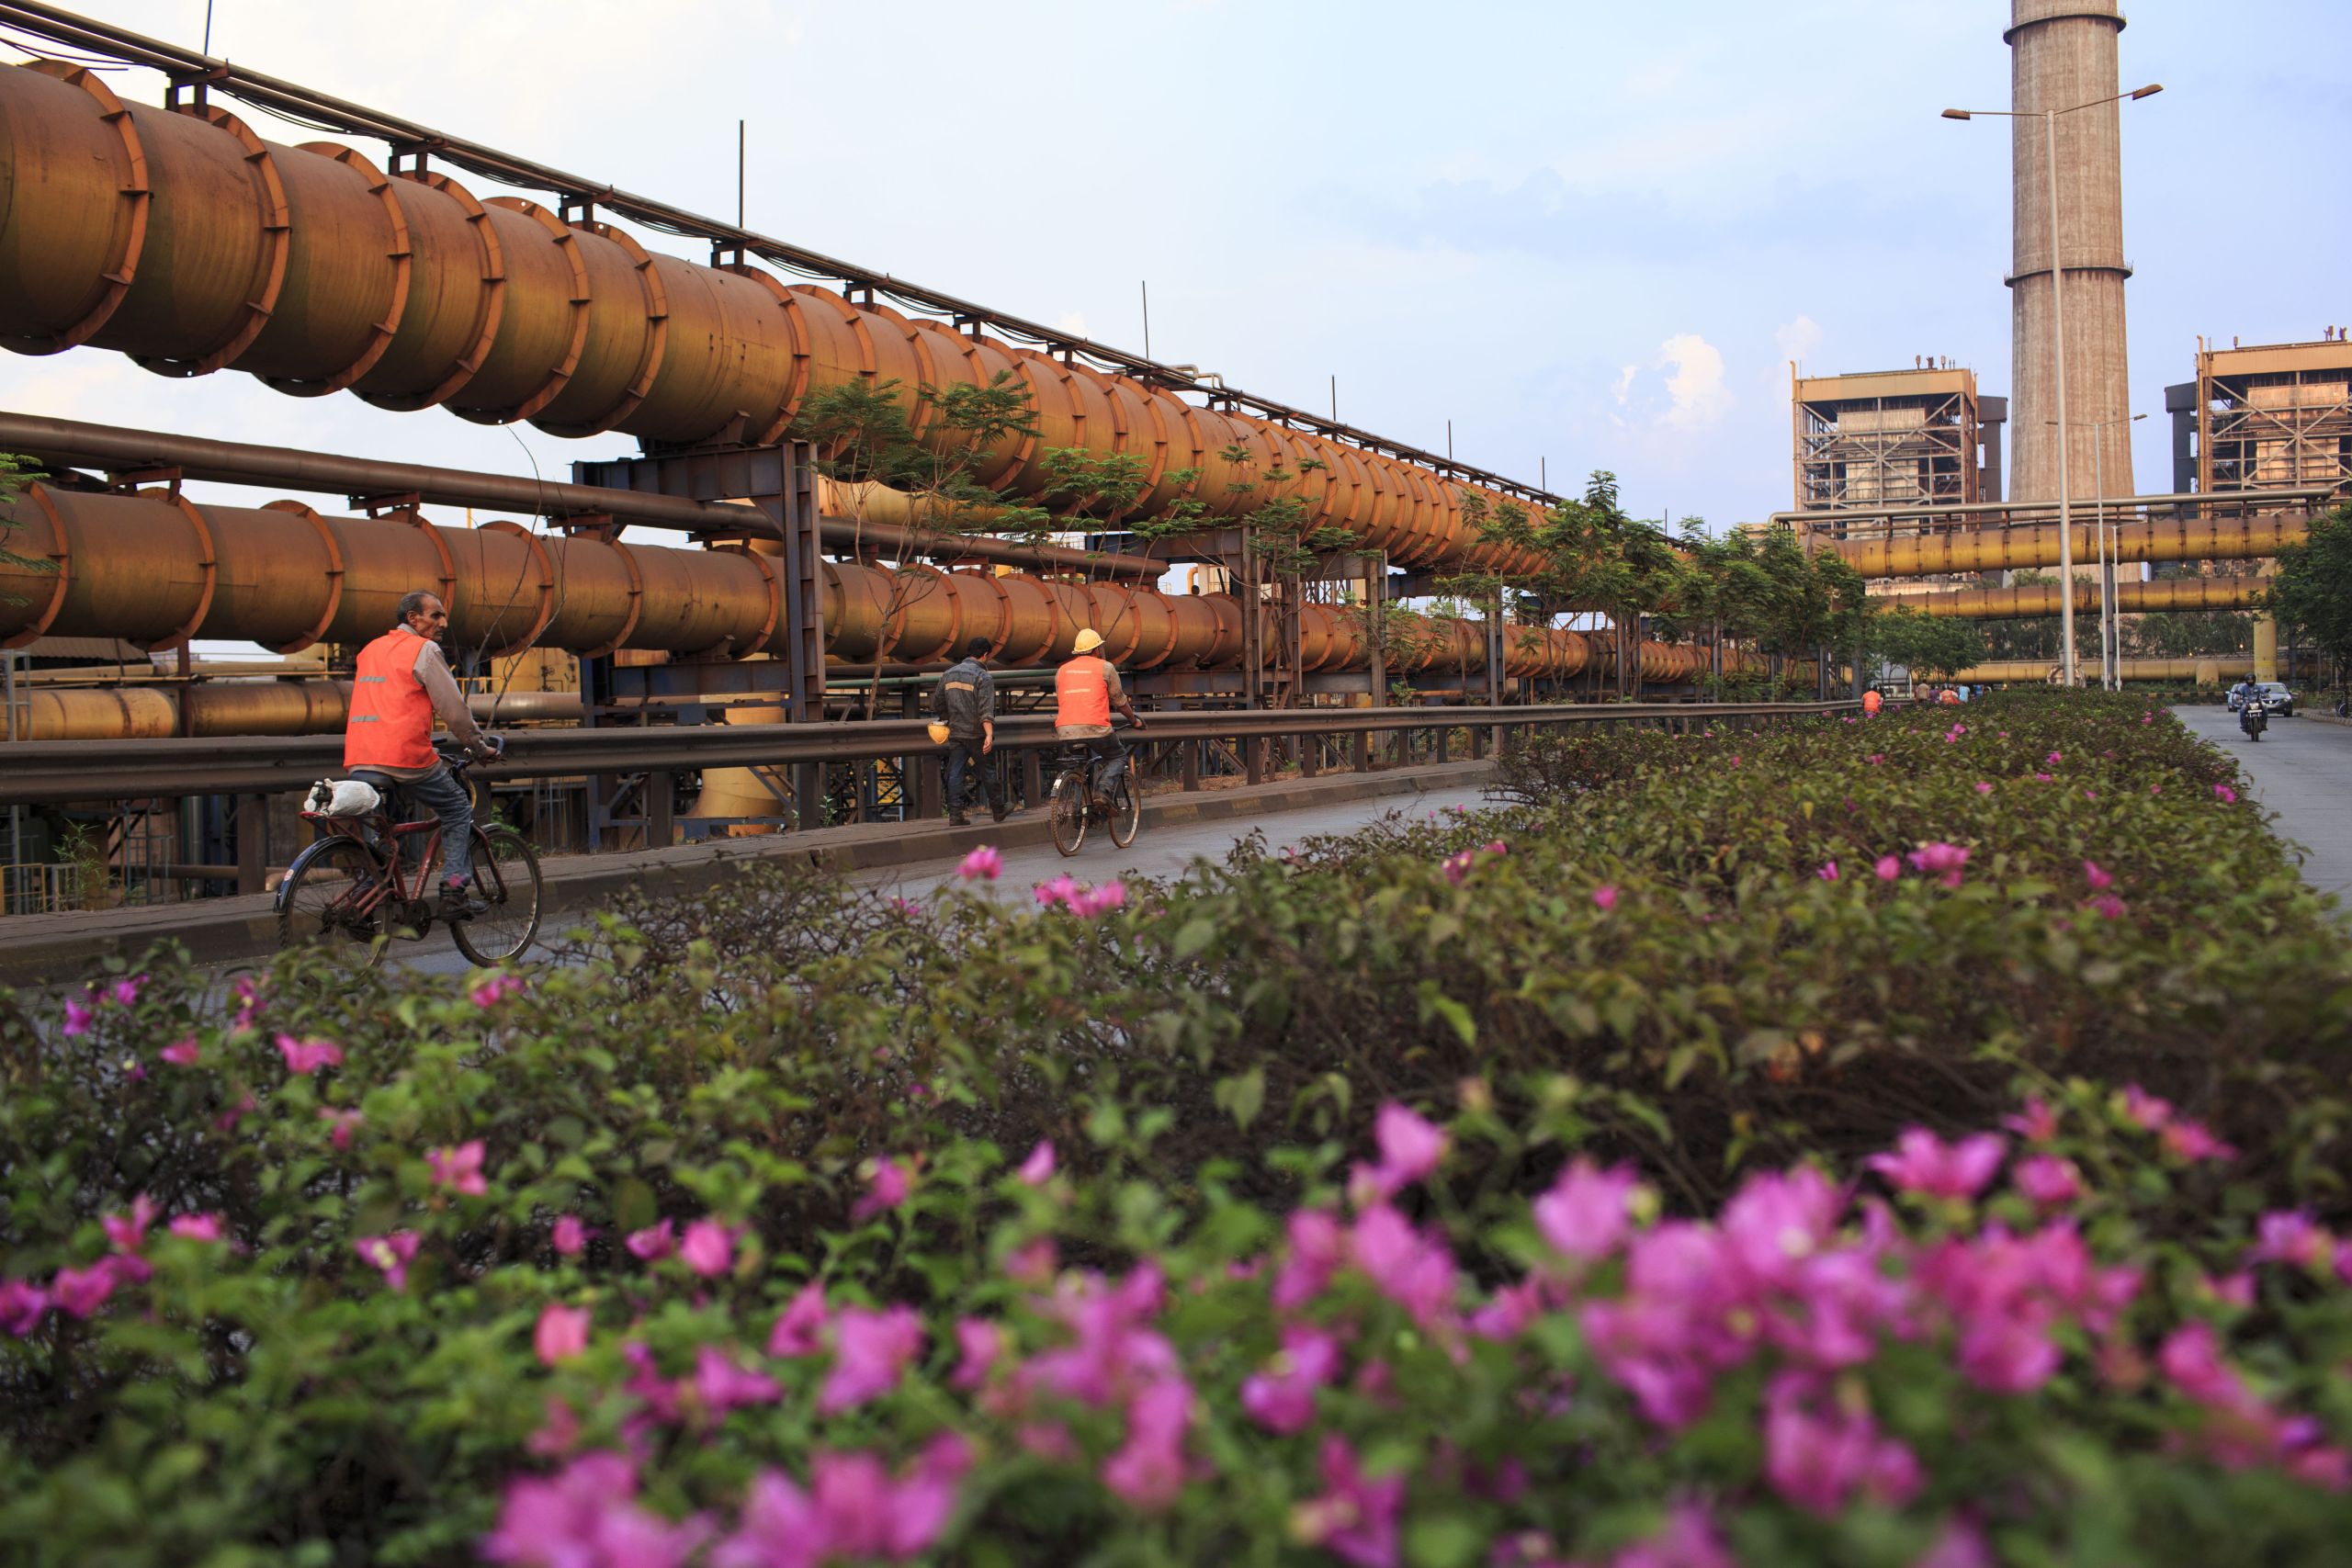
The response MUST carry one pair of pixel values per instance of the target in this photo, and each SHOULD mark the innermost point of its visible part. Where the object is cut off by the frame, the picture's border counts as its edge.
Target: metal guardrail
(35, 773)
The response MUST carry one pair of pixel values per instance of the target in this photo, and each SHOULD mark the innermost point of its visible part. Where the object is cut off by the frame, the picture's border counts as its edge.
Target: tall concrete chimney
(2061, 53)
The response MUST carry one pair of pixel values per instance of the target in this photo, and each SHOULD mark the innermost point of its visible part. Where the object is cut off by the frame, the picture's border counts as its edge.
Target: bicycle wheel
(505, 878)
(1070, 811)
(331, 903)
(1126, 810)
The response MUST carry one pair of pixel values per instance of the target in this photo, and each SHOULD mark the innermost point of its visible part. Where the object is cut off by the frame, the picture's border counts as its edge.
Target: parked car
(2277, 698)
(2236, 699)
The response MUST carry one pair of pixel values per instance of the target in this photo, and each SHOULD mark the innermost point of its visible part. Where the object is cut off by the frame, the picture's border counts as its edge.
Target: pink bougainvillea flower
(2108, 907)
(388, 1254)
(1876, 758)
(1888, 868)
(78, 1293)
(1354, 1518)
(1939, 859)
(1827, 872)
(1604, 897)
(2143, 1110)
(342, 1123)
(2045, 778)
(1923, 1163)
(1983, 788)
(1587, 1215)
(1033, 1262)
(78, 1017)
(888, 1183)
(1038, 1168)
(22, 1306)
(2225, 794)
(458, 1168)
(181, 1052)
(2190, 1140)
(980, 1343)
(587, 1517)
(1059, 891)
(871, 1350)
(1090, 902)
(307, 1056)
(654, 1242)
(1817, 1458)
(723, 1385)
(1410, 1148)
(197, 1227)
(1415, 1270)
(496, 989)
(2036, 1123)
(2234, 1288)
(1457, 866)
(1147, 1471)
(708, 1248)
(1317, 1246)
(1280, 1396)
(2098, 879)
(2289, 1236)
(561, 1333)
(570, 1236)
(982, 864)
(800, 1327)
(2055, 757)
(128, 1233)
(2049, 1181)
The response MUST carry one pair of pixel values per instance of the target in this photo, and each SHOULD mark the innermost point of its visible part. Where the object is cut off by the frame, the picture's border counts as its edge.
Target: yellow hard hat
(939, 734)
(1088, 642)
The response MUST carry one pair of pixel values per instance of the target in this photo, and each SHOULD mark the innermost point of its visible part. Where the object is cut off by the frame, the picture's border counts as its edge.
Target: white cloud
(1073, 322)
(1624, 389)
(1798, 338)
(1694, 381)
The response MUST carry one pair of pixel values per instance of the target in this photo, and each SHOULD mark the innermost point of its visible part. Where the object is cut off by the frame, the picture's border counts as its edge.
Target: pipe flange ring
(636, 603)
(546, 586)
(788, 404)
(657, 338)
(489, 309)
(759, 641)
(1004, 633)
(129, 236)
(894, 629)
(334, 577)
(380, 334)
(415, 519)
(560, 376)
(269, 268)
(1126, 613)
(209, 563)
(60, 553)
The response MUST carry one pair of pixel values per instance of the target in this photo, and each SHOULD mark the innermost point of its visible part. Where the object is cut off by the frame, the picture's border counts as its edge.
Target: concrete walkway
(2300, 768)
(50, 950)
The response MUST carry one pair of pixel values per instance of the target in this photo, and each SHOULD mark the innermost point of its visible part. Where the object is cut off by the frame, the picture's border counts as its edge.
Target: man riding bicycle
(403, 682)
(1086, 690)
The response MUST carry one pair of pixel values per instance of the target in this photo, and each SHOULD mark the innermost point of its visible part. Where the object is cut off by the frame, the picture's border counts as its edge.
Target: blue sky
(1591, 235)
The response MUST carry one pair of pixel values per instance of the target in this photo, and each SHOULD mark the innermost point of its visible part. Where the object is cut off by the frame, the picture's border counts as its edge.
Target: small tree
(1931, 647)
(13, 470)
(2312, 595)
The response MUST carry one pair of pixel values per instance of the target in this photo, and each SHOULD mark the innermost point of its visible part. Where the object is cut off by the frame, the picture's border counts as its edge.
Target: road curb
(46, 950)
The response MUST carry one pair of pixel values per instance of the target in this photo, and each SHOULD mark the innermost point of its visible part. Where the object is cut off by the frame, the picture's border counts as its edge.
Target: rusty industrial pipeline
(2131, 598)
(180, 238)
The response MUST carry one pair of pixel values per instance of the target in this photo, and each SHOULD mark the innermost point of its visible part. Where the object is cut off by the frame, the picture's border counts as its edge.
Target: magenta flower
(1038, 1168)
(1457, 866)
(2145, 1111)
(1355, 1518)
(588, 1516)
(1983, 788)
(2045, 778)
(2225, 794)
(1888, 868)
(1587, 1215)
(1060, 890)
(22, 1306)
(708, 1248)
(2098, 879)
(980, 1343)
(197, 1227)
(653, 1243)
(307, 1056)
(570, 1236)
(2189, 1142)
(1924, 1163)
(78, 1293)
(128, 1233)
(2289, 1236)
(1087, 903)
(1147, 1472)
(496, 989)
(2036, 1123)
(800, 1327)
(125, 992)
(1317, 1246)
(2108, 907)
(78, 1016)
(1604, 897)
(561, 1333)
(388, 1254)
(1940, 859)
(887, 1186)
(1828, 871)
(458, 1168)
(1817, 1461)
(1280, 1397)
(981, 865)
(1410, 1149)
(343, 1124)
(723, 1385)
(1414, 1271)
(870, 1350)
(2055, 757)
(2049, 1181)
(1876, 758)
(181, 1052)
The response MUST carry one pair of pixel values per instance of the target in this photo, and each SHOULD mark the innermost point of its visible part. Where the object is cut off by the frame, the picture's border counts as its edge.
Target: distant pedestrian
(965, 701)
(1873, 702)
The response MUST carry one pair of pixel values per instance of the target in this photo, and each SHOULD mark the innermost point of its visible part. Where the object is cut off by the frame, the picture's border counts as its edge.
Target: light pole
(2111, 629)
(2071, 674)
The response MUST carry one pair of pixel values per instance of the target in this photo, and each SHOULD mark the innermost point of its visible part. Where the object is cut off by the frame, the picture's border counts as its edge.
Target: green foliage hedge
(501, 1267)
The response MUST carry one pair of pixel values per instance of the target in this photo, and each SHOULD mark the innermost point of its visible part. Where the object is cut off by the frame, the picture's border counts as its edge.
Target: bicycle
(1080, 799)
(346, 895)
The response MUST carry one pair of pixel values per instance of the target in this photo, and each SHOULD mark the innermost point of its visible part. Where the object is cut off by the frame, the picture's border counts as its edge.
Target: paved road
(1160, 852)
(2301, 768)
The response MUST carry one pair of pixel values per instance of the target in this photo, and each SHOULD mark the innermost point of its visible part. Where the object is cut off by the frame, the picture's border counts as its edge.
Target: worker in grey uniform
(965, 701)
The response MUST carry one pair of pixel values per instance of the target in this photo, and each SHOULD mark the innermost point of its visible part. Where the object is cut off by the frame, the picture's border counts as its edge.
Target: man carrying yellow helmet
(1086, 690)
(963, 708)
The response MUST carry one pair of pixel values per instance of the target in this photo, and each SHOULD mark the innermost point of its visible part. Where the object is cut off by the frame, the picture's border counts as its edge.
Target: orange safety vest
(1081, 693)
(391, 713)
(1873, 702)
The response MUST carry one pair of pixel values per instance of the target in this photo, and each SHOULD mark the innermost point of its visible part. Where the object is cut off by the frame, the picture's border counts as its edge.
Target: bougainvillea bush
(1756, 1148)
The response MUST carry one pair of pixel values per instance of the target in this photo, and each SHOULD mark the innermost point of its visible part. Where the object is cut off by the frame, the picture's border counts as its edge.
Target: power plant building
(2275, 416)
(1885, 438)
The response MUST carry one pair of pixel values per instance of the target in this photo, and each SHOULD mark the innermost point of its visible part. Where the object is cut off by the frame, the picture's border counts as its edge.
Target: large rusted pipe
(182, 238)
(2131, 598)
(2205, 672)
(2036, 545)
(239, 708)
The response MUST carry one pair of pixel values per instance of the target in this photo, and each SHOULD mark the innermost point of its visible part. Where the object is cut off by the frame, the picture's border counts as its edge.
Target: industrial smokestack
(2062, 53)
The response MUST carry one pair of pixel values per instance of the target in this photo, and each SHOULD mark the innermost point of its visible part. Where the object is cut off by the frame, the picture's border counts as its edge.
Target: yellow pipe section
(2035, 672)
(2131, 598)
(185, 241)
(2006, 550)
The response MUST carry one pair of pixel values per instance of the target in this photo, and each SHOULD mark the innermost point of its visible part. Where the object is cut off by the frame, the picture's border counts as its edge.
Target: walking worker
(1085, 690)
(965, 701)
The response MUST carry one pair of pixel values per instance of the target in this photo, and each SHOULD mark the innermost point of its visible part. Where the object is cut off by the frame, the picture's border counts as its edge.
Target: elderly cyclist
(1086, 690)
